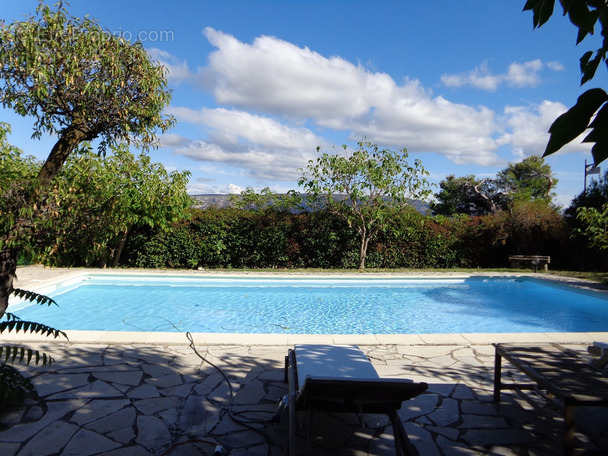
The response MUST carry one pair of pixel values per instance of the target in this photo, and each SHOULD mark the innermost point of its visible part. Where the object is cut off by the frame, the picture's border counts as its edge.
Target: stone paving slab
(161, 400)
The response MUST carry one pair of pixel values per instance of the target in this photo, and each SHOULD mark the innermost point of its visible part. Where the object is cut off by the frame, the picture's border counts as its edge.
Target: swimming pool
(319, 306)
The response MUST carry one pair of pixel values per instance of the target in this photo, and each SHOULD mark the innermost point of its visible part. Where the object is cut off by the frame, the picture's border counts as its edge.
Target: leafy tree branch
(591, 108)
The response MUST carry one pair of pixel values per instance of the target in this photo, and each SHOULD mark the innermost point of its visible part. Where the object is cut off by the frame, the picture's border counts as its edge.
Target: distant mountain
(205, 201)
(222, 201)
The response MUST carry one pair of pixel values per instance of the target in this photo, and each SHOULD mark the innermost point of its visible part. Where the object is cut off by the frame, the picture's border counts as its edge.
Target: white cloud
(278, 77)
(297, 84)
(206, 188)
(294, 86)
(262, 146)
(528, 128)
(525, 74)
(556, 66)
(461, 133)
(177, 70)
(479, 77)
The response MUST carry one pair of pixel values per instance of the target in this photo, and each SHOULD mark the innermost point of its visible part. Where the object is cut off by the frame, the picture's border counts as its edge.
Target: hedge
(237, 238)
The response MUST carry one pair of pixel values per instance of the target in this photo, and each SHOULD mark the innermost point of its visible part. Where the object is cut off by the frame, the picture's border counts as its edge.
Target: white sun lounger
(340, 379)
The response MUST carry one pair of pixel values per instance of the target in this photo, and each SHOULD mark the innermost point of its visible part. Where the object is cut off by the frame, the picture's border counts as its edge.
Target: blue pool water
(319, 306)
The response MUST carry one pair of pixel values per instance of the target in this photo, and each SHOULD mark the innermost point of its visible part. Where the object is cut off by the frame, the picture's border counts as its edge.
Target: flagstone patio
(136, 399)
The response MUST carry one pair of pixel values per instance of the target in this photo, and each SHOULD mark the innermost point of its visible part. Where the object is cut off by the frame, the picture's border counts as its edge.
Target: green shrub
(267, 238)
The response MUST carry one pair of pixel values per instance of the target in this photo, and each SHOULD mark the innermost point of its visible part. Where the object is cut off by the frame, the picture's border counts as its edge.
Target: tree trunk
(59, 154)
(363, 250)
(8, 269)
(120, 247)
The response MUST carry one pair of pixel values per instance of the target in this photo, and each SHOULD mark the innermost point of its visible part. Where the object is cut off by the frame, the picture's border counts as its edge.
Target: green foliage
(267, 199)
(364, 187)
(16, 174)
(81, 83)
(14, 387)
(93, 207)
(595, 226)
(528, 180)
(462, 195)
(528, 227)
(231, 238)
(591, 109)
(322, 239)
(70, 73)
(595, 195)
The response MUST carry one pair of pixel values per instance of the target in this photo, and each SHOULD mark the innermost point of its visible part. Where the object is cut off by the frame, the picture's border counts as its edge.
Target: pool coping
(38, 278)
(163, 338)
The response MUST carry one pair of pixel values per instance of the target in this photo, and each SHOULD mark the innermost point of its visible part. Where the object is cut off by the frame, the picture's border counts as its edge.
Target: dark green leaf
(575, 121)
(600, 152)
(585, 60)
(599, 126)
(32, 296)
(589, 68)
(599, 135)
(542, 10)
(579, 15)
(10, 317)
(581, 35)
(30, 326)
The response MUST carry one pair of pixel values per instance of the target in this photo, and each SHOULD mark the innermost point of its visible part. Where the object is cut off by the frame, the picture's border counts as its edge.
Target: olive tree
(591, 108)
(80, 83)
(366, 187)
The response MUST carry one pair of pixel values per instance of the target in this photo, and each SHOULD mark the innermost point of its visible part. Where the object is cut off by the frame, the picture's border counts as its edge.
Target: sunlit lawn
(600, 277)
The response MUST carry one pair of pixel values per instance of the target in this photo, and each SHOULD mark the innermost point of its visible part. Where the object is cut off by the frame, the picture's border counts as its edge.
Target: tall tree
(591, 108)
(365, 187)
(468, 195)
(528, 180)
(80, 83)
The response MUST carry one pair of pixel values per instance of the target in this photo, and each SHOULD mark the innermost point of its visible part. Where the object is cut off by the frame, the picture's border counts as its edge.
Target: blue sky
(466, 86)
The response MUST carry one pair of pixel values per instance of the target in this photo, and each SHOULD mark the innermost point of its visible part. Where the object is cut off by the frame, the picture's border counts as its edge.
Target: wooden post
(568, 430)
(497, 375)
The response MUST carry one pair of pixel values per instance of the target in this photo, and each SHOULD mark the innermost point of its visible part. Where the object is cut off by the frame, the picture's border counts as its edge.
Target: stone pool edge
(161, 338)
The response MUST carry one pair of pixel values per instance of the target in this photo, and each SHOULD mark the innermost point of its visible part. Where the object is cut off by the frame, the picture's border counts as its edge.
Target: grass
(599, 277)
